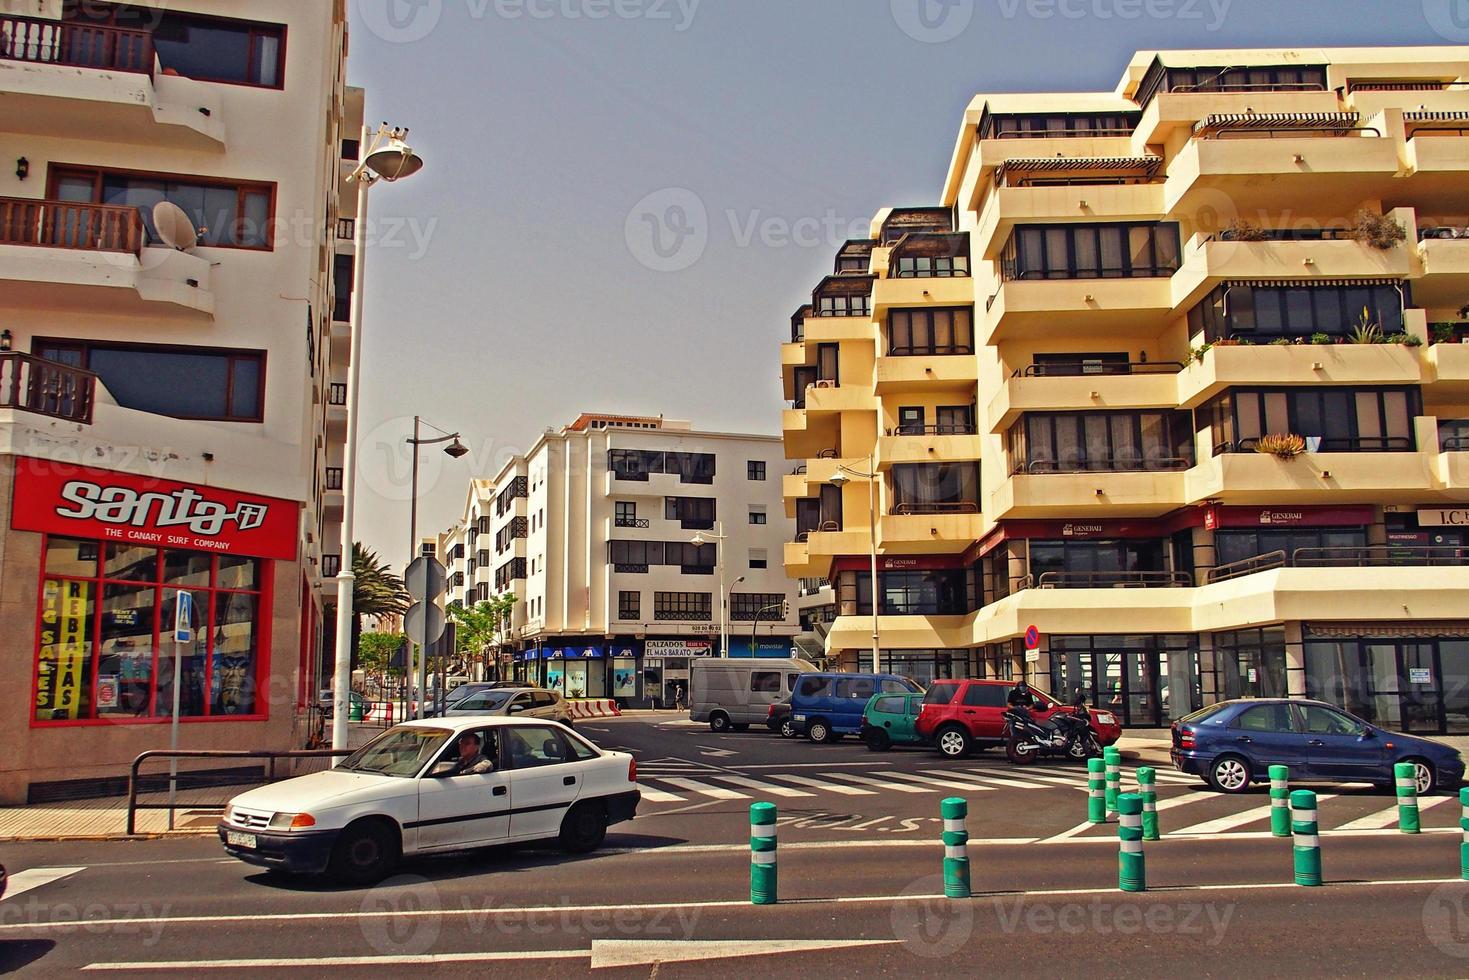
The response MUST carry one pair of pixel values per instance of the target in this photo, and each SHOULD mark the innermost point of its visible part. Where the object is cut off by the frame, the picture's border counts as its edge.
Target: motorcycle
(1068, 735)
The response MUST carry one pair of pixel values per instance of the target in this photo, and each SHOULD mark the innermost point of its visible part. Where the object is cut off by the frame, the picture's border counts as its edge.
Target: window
(342, 276)
(1296, 311)
(757, 515)
(890, 706)
(1069, 124)
(629, 606)
(758, 558)
(637, 556)
(517, 489)
(930, 266)
(1237, 545)
(637, 464)
(856, 304)
(1075, 442)
(693, 607)
(226, 214)
(985, 695)
(910, 420)
(204, 383)
(931, 331)
(509, 572)
(212, 49)
(855, 688)
(814, 686)
(1265, 718)
(532, 747)
(626, 513)
(1290, 78)
(954, 420)
(745, 606)
(1083, 251)
(1324, 721)
(935, 488)
(105, 647)
(692, 513)
(1342, 420)
(940, 694)
(765, 681)
(938, 592)
(755, 469)
(1071, 365)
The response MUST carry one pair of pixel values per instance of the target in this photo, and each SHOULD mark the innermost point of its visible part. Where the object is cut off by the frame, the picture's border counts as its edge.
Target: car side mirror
(441, 769)
(1367, 732)
(516, 709)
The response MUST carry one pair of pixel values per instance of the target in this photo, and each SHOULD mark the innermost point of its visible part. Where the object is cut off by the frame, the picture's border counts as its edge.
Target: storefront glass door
(1412, 685)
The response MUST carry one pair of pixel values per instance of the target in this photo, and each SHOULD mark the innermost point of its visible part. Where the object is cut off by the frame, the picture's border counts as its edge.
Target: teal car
(889, 719)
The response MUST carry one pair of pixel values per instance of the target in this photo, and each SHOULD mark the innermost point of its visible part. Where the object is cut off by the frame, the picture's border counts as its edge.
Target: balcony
(927, 371)
(1037, 492)
(1371, 556)
(1447, 367)
(1007, 207)
(92, 258)
(920, 291)
(1216, 260)
(812, 557)
(62, 79)
(1444, 253)
(1368, 474)
(826, 397)
(1297, 365)
(1435, 153)
(1081, 308)
(930, 529)
(40, 387)
(833, 329)
(1183, 108)
(927, 444)
(1108, 580)
(1137, 385)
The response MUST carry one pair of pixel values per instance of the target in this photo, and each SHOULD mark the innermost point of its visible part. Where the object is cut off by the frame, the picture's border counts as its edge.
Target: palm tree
(376, 591)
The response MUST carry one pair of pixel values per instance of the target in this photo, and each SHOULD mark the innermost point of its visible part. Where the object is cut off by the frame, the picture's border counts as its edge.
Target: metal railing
(1348, 556)
(1120, 464)
(67, 224)
(1334, 444)
(633, 522)
(76, 45)
(33, 384)
(197, 780)
(1010, 271)
(933, 350)
(682, 615)
(1251, 132)
(936, 507)
(934, 429)
(1247, 566)
(1086, 369)
(1109, 580)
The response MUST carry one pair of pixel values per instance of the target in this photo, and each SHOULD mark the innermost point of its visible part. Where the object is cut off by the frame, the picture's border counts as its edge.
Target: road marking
(879, 783)
(1013, 783)
(717, 753)
(1237, 819)
(694, 786)
(658, 796)
(1388, 817)
(823, 785)
(758, 786)
(1067, 835)
(815, 765)
(942, 780)
(1071, 782)
(32, 878)
(1176, 801)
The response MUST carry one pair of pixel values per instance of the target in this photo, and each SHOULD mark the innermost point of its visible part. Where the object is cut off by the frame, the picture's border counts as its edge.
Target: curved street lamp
(719, 537)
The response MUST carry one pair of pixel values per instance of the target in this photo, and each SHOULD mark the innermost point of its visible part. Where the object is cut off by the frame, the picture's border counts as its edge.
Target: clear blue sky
(517, 283)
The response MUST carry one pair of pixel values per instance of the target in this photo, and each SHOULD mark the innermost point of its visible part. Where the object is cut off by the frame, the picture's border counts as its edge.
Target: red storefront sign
(78, 501)
(920, 563)
(1239, 517)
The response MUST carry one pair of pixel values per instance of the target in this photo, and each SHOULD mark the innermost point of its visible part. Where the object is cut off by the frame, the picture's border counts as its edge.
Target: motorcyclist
(1021, 696)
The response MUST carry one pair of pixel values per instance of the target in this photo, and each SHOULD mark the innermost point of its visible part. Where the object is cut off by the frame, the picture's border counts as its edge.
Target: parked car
(778, 719)
(889, 720)
(327, 703)
(478, 687)
(961, 715)
(1234, 743)
(826, 706)
(401, 795)
(733, 693)
(520, 702)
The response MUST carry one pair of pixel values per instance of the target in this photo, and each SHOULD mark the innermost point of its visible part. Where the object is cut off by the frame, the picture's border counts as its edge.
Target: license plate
(798, 717)
(236, 839)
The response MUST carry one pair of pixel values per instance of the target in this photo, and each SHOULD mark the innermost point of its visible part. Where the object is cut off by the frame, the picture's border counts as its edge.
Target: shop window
(106, 647)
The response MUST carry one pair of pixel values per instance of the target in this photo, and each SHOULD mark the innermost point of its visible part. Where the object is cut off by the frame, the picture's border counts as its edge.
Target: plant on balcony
(1282, 342)
(1377, 230)
(1441, 333)
(1240, 230)
(1197, 353)
(1365, 331)
(1404, 339)
(1281, 445)
(1322, 338)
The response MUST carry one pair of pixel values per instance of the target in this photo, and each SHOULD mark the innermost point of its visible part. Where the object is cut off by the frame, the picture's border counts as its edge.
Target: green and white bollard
(1464, 826)
(1132, 873)
(1280, 801)
(1096, 794)
(1407, 786)
(1147, 788)
(1307, 837)
(956, 847)
(762, 854)
(1112, 759)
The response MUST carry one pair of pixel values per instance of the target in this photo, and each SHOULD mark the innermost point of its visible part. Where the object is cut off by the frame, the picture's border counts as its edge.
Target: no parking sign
(1032, 644)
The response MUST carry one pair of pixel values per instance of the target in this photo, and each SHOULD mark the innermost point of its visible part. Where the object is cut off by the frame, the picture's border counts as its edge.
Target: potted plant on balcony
(1376, 230)
(1240, 230)
(1281, 445)
(1366, 331)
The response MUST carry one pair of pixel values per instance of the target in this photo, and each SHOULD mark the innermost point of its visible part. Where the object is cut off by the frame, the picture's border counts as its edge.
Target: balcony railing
(682, 615)
(76, 45)
(1368, 556)
(634, 522)
(334, 478)
(935, 429)
(1108, 580)
(1120, 464)
(1314, 444)
(1453, 435)
(43, 387)
(931, 350)
(65, 224)
(936, 507)
(1084, 368)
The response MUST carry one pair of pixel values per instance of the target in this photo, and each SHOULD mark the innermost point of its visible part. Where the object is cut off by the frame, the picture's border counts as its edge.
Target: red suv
(958, 715)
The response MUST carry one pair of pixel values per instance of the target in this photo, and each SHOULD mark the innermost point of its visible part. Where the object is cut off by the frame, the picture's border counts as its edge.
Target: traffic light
(785, 609)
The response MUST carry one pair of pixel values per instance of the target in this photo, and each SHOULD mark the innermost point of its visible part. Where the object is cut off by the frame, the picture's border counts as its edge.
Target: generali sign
(78, 501)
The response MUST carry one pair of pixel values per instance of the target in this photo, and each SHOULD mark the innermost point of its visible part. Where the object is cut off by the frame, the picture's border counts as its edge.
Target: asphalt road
(669, 893)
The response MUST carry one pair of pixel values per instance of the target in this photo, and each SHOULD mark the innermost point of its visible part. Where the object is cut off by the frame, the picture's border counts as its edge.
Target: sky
(624, 200)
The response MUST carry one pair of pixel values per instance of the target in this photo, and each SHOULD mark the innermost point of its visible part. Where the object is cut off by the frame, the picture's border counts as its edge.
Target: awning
(1311, 283)
(1145, 166)
(1436, 116)
(1338, 122)
(1386, 631)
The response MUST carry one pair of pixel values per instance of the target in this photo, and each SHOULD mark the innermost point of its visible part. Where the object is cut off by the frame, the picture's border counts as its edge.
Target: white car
(402, 794)
(525, 702)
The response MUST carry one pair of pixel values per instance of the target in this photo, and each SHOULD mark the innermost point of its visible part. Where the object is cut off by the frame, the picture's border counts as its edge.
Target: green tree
(375, 650)
(480, 627)
(376, 591)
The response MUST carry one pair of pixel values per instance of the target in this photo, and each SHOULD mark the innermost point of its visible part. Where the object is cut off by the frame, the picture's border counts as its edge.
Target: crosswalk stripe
(1238, 819)
(31, 878)
(943, 781)
(879, 783)
(768, 788)
(823, 785)
(658, 796)
(1388, 817)
(1073, 781)
(1010, 782)
(694, 786)
(1170, 802)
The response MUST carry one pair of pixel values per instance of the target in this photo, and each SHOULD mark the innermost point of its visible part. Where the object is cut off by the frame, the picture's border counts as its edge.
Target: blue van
(824, 707)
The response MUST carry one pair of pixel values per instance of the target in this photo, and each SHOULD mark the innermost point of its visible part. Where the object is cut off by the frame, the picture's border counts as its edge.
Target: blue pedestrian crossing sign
(1032, 638)
(183, 619)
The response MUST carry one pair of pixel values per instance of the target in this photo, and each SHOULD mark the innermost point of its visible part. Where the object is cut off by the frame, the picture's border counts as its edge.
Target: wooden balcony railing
(32, 384)
(76, 45)
(63, 224)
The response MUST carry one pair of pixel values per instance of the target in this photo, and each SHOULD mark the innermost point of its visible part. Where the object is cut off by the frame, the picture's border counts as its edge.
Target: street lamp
(839, 479)
(454, 450)
(388, 158)
(719, 537)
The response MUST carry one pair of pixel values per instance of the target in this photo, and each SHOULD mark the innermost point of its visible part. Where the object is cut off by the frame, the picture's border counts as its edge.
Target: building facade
(593, 530)
(168, 414)
(1169, 378)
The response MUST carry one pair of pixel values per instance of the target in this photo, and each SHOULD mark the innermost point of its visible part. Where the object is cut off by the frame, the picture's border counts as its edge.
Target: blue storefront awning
(768, 647)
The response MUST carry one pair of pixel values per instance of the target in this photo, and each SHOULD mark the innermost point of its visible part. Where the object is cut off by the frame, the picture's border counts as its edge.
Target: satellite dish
(175, 228)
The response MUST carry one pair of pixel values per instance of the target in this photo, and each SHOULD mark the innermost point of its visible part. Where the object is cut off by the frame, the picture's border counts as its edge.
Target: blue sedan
(1234, 743)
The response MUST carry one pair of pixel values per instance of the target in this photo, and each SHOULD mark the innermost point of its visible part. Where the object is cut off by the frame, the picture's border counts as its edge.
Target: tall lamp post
(719, 537)
(843, 476)
(387, 158)
(454, 450)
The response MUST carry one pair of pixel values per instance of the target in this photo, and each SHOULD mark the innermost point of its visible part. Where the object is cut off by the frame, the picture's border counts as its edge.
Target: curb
(62, 838)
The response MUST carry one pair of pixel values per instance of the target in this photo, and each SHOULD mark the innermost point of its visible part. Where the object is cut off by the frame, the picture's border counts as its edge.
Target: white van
(736, 692)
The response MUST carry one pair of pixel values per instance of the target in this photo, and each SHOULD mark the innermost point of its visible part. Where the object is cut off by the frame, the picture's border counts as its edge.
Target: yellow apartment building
(1172, 374)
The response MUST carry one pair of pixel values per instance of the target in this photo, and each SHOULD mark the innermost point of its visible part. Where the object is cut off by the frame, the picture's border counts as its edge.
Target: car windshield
(462, 692)
(397, 752)
(488, 701)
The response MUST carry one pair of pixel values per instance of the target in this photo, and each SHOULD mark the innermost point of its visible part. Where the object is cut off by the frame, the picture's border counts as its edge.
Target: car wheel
(953, 742)
(1425, 779)
(740, 727)
(820, 732)
(364, 854)
(877, 740)
(583, 828)
(788, 729)
(719, 722)
(1229, 774)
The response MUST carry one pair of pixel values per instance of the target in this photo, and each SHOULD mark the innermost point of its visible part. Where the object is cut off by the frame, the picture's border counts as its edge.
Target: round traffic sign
(425, 578)
(1032, 638)
(423, 623)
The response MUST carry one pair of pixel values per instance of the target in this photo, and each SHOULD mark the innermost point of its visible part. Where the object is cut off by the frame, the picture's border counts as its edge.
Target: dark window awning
(1295, 280)
(1427, 121)
(1120, 166)
(1340, 122)
(1387, 631)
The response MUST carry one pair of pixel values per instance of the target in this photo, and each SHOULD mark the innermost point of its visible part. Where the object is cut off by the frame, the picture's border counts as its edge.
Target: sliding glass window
(1073, 442)
(1110, 251)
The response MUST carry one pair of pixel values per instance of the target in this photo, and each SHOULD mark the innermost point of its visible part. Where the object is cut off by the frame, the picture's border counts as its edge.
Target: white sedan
(435, 785)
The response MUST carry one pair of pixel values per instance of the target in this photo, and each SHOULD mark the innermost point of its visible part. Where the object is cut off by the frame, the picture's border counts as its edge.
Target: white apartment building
(593, 531)
(168, 419)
